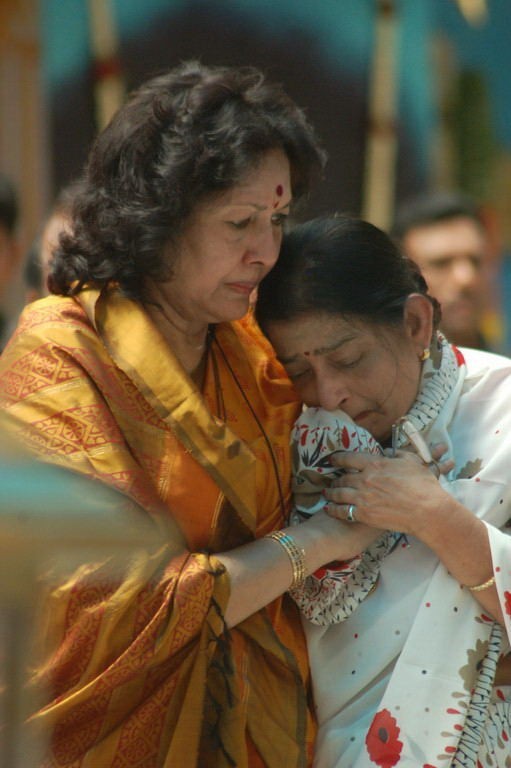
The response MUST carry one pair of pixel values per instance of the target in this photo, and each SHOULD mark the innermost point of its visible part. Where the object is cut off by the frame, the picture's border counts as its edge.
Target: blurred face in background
(452, 256)
(57, 223)
(41, 253)
(9, 259)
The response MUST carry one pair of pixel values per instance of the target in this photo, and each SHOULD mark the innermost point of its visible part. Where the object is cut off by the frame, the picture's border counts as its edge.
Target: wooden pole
(475, 11)
(109, 89)
(381, 147)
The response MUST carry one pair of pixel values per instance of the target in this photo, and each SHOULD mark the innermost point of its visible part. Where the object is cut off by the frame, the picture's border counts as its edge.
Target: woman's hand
(400, 493)
(328, 538)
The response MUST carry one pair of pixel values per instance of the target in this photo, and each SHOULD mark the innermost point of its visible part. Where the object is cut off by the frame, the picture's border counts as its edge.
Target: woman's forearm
(461, 542)
(262, 571)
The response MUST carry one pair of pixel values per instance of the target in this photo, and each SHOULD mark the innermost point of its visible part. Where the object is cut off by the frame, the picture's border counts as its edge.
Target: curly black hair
(182, 136)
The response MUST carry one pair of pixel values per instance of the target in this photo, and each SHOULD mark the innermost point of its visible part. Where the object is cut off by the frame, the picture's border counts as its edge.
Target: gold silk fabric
(138, 669)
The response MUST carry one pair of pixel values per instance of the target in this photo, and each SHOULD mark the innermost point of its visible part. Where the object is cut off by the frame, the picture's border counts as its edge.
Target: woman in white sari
(407, 643)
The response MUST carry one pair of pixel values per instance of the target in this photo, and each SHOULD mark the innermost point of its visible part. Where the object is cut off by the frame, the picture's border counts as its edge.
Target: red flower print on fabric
(507, 595)
(303, 436)
(382, 743)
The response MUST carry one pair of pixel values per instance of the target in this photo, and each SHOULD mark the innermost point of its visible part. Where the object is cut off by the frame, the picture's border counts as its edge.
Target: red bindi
(279, 189)
(306, 354)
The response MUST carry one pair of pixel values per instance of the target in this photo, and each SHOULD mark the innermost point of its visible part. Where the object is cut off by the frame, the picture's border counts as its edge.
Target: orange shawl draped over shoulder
(141, 671)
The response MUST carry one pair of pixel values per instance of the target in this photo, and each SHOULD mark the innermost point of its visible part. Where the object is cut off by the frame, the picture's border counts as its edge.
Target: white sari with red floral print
(406, 678)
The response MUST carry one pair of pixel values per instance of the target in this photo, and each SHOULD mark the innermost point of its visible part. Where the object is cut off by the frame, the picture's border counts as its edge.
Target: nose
(265, 247)
(332, 393)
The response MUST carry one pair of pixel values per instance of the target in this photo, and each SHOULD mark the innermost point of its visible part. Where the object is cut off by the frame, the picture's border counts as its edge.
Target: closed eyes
(241, 224)
(277, 219)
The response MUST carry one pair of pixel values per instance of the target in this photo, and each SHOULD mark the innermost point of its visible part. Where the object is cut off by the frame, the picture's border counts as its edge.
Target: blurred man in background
(40, 253)
(446, 237)
(9, 249)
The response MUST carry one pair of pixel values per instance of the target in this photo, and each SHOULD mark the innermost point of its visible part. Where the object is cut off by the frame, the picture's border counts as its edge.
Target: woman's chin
(234, 312)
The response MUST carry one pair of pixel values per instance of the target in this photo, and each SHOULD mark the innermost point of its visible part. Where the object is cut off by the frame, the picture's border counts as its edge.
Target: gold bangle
(295, 553)
(484, 585)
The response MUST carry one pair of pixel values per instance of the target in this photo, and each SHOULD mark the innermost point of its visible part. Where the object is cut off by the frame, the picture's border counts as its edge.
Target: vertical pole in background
(109, 90)
(381, 146)
(475, 11)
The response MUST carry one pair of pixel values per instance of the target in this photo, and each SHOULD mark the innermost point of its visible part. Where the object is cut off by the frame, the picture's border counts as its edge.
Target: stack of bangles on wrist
(295, 553)
(484, 585)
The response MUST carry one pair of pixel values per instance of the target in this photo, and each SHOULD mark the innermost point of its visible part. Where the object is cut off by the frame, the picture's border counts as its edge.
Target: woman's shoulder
(248, 329)
(51, 311)
(487, 375)
(258, 347)
(51, 322)
(245, 337)
(479, 361)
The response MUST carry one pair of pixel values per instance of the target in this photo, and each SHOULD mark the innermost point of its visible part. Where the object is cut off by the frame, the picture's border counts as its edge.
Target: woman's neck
(188, 341)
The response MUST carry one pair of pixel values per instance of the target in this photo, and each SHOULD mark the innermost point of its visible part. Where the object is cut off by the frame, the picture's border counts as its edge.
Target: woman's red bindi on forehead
(279, 189)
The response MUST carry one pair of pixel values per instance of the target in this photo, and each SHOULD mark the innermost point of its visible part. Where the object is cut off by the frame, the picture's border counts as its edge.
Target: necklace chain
(223, 414)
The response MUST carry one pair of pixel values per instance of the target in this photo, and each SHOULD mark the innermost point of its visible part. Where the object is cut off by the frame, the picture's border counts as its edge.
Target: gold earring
(424, 354)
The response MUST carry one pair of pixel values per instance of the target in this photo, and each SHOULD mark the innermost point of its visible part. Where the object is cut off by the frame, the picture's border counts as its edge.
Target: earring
(424, 354)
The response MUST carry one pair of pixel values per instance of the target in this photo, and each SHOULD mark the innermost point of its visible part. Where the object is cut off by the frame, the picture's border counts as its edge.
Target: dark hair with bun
(340, 265)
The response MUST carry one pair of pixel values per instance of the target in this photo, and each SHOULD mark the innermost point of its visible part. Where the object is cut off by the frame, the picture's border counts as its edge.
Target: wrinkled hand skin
(399, 493)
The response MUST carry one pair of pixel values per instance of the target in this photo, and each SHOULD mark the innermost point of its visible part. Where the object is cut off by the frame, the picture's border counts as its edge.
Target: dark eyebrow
(318, 350)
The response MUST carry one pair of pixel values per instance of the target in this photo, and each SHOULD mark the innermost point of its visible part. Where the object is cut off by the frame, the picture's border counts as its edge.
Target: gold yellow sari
(140, 670)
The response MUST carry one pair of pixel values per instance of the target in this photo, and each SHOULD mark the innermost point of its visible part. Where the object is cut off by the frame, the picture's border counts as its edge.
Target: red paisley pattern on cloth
(135, 664)
(332, 593)
(35, 371)
(78, 428)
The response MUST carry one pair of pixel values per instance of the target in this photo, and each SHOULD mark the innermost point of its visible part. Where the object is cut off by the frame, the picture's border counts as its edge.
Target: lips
(242, 288)
(361, 416)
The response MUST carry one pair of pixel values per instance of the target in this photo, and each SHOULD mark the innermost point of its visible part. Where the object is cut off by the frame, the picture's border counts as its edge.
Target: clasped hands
(391, 493)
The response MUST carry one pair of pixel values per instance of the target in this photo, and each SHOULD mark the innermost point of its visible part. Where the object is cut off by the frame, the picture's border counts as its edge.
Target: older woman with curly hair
(141, 373)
